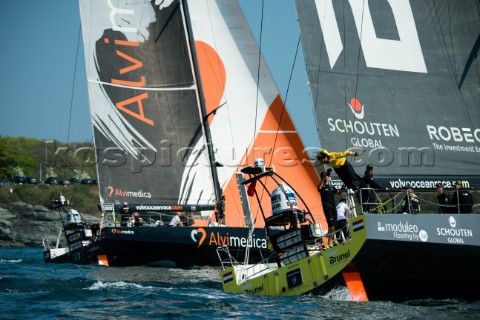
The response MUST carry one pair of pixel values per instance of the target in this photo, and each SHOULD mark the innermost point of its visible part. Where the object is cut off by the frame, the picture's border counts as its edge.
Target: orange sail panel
(279, 144)
(250, 119)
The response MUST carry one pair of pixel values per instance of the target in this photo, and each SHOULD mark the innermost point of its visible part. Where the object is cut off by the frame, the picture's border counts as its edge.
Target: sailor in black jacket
(442, 198)
(462, 200)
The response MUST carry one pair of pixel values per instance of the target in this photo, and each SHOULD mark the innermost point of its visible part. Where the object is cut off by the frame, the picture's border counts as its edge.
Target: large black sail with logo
(143, 100)
(398, 79)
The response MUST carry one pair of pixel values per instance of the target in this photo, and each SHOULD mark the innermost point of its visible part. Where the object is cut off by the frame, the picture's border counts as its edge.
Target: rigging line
(444, 41)
(218, 63)
(473, 54)
(451, 68)
(283, 107)
(359, 53)
(73, 83)
(471, 58)
(451, 40)
(86, 157)
(285, 99)
(345, 109)
(283, 104)
(317, 91)
(258, 77)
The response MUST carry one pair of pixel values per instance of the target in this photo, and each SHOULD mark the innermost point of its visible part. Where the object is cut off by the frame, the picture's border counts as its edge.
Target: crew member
(343, 213)
(370, 194)
(442, 198)
(125, 215)
(462, 199)
(338, 161)
(137, 221)
(176, 222)
(220, 211)
(327, 193)
(368, 178)
(411, 204)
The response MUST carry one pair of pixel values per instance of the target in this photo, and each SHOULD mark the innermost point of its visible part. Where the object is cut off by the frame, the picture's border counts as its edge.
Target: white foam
(10, 260)
(339, 293)
(100, 285)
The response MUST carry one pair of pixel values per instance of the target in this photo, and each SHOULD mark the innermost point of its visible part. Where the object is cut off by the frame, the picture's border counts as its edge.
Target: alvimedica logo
(117, 192)
(217, 239)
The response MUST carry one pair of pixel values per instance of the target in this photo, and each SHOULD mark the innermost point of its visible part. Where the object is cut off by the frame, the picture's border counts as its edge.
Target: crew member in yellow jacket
(338, 161)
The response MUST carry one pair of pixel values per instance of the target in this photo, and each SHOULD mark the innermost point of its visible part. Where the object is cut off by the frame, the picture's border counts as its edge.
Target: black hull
(442, 265)
(178, 247)
(393, 270)
(167, 246)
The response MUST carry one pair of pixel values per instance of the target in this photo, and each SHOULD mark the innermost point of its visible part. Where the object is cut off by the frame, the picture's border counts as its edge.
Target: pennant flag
(358, 225)
(251, 188)
(227, 277)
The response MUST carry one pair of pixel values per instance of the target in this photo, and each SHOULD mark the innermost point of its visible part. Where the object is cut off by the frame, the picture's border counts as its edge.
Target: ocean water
(31, 289)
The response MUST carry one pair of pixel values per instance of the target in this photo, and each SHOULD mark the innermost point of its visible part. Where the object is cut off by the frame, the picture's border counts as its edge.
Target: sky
(43, 87)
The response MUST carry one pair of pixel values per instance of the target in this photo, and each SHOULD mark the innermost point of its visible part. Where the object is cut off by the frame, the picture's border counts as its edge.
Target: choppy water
(29, 288)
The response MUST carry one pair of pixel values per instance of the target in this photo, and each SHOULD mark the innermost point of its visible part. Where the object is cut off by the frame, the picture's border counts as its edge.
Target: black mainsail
(399, 79)
(145, 112)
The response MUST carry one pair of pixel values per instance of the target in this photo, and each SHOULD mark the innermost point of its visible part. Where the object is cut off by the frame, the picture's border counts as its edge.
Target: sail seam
(278, 131)
(192, 87)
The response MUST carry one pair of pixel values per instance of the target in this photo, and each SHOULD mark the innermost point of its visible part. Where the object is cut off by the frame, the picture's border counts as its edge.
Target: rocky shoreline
(25, 225)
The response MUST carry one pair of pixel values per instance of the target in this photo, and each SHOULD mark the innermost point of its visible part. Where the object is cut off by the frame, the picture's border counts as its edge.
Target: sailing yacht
(399, 80)
(178, 108)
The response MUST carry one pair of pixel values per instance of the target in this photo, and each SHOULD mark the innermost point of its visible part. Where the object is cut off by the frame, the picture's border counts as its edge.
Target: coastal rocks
(26, 225)
(5, 224)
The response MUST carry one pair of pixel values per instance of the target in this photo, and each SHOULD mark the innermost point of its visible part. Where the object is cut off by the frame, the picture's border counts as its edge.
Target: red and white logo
(116, 192)
(110, 191)
(357, 108)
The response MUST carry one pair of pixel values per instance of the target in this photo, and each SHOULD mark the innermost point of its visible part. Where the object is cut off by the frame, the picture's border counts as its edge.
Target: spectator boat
(77, 241)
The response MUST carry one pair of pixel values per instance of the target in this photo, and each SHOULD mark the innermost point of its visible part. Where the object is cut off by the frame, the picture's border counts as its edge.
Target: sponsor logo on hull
(216, 239)
(448, 231)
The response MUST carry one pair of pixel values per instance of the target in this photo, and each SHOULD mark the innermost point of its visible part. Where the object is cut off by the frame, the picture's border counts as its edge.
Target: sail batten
(170, 88)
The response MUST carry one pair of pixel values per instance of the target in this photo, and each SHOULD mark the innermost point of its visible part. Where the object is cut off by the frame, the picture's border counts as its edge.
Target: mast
(203, 109)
